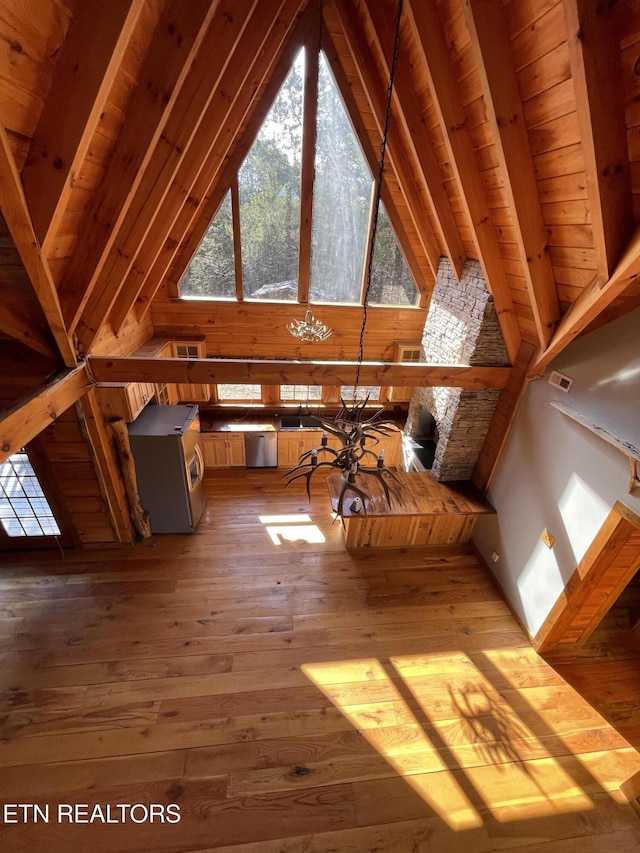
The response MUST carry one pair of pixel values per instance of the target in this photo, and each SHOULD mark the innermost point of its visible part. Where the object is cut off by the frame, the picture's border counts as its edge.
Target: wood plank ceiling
(514, 140)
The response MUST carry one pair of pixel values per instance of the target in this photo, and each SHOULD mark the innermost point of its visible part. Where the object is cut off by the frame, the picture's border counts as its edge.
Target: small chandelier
(357, 434)
(309, 329)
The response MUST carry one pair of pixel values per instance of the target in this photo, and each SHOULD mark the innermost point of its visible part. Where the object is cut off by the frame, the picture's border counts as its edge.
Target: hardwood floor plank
(298, 697)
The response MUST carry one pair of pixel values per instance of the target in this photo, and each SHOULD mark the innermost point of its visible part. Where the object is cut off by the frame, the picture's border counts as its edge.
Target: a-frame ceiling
(514, 140)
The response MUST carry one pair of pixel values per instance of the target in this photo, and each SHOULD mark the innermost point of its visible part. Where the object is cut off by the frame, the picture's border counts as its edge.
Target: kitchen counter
(428, 513)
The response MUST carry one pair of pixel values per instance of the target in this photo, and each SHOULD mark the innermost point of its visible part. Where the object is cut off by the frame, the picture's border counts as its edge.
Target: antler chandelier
(309, 329)
(355, 432)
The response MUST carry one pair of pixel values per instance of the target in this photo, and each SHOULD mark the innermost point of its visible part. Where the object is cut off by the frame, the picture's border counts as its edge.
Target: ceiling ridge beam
(29, 416)
(596, 69)
(15, 211)
(375, 91)
(442, 81)
(591, 302)
(409, 115)
(195, 215)
(174, 149)
(276, 372)
(165, 67)
(87, 65)
(490, 42)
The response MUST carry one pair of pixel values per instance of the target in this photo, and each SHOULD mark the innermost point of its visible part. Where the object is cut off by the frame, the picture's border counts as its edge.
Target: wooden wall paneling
(19, 316)
(408, 112)
(591, 302)
(15, 211)
(66, 460)
(258, 329)
(166, 65)
(594, 52)
(271, 66)
(32, 34)
(130, 338)
(269, 372)
(592, 589)
(87, 64)
(396, 160)
(29, 416)
(109, 475)
(435, 56)
(490, 39)
(182, 142)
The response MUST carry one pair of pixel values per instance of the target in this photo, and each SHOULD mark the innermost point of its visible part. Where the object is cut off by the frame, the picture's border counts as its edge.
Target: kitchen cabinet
(191, 392)
(293, 443)
(223, 449)
(125, 400)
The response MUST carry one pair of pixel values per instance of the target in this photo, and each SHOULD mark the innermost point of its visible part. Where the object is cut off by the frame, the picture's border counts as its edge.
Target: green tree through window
(269, 183)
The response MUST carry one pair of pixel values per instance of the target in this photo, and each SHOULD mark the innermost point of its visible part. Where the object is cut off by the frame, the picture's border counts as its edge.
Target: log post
(139, 515)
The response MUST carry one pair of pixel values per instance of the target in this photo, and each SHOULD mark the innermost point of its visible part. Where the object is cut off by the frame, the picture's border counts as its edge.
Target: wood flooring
(289, 696)
(606, 669)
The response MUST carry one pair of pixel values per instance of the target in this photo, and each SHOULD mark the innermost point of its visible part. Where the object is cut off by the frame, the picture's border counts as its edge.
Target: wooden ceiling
(515, 139)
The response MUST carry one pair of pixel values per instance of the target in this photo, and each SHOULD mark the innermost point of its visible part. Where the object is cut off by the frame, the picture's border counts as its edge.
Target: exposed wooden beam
(427, 30)
(409, 115)
(211, 370)
(181, 147)
(375, 90)
(167, 63)
(15, 211)
(199, 208)
(86, 67)
(596, 69)
(237, 243)
(490, 43)
(29, 416)
(591, 302)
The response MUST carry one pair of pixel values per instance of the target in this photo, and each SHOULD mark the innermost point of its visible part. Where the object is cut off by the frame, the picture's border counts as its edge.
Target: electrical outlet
(559, 380)
(547, 538)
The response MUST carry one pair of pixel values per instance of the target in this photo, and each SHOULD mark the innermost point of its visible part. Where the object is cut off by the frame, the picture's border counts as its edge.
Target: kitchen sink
(298, 421)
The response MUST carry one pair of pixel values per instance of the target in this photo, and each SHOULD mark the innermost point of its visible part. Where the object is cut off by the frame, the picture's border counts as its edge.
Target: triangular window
(391, 280)
(266, 224)
(212, 272)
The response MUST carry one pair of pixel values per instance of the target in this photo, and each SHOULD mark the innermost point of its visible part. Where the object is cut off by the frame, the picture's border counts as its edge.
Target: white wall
(556, 474)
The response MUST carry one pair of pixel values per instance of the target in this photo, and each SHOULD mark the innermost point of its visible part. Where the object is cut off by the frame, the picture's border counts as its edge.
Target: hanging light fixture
(309, 329)
(356, 460)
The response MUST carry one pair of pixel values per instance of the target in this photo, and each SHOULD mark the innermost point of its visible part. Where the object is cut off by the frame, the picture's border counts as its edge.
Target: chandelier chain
(378, 193)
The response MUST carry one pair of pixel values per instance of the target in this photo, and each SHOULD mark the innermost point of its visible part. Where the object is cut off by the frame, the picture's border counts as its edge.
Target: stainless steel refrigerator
(167, 451)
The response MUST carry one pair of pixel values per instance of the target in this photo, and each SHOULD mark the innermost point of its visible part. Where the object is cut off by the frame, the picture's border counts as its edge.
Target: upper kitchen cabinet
(125, 400)
(191, 392)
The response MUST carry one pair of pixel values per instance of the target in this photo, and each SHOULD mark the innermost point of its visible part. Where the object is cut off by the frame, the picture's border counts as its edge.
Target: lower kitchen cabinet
(223, 449)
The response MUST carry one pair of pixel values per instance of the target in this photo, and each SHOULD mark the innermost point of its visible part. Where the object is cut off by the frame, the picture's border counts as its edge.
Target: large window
(266, 227)
(24, 509)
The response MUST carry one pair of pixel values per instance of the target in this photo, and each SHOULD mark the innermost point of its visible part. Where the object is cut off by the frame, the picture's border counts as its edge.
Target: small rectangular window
(373, 391)
(231, 393)
(300, 393)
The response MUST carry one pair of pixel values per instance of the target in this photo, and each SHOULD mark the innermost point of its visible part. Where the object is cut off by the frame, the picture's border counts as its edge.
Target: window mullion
(309, 128)
(237, 245)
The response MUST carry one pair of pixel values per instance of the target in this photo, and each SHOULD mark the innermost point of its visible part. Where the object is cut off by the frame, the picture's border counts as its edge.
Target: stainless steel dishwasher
(261, 448)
